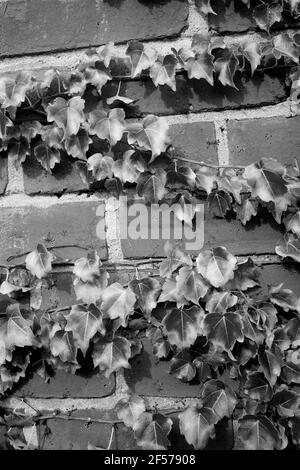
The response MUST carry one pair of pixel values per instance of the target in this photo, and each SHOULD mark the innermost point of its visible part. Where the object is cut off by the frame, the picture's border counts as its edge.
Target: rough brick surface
(3, 175)
(195, 141)
(251, 139)
(149, 377)
(232, 16)
(72, 224)
(29, 26)
(260, 236)
(64, 178)
(197, 95)
(64, 385)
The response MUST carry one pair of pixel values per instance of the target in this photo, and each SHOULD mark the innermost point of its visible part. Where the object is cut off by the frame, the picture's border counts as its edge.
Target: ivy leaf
(146, 291)
(294, 425)
(258, 433)
(91, 291)
(62, 345)
(291, 372)
(201, 66)
(111, 356)
(130, 409)
(31, 437)
(176, 257)
(287, 402)
(97, 76)
(292, 223)
(161, 347)
(266, 179)
(285, 298)
(284, 45)
(223, 330)
(170, 293)
(78, 145)
(151, 134)
(151, 431)
(152, 186)
(109, 125)
(183, 326)
(264, 314)
(246, 210)
(289, 248)
(5, 123)
(216, 265)
(197, 424)
(84, 322)
(13, 89)
(15, 330)
(100, 166)
(205, 8)
(203, 370)
(39, 261)
(191, 285)
(246, 276)
(163, 70)
(67, 115)
(253, 53)
(125, 170)
(270, 366)
(140, 60)
(118, 302)
(266, 15)
(219, 203)
(257, 388)
(219, 398)
(86, 269)
(182, 368)
(226, 66)
(48, 157)
(220, 302)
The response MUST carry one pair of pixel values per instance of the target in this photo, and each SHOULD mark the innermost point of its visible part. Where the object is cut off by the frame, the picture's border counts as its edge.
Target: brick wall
(216, 125)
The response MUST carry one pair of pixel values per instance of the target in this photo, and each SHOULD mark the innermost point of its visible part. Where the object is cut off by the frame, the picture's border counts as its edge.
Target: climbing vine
(209, 316)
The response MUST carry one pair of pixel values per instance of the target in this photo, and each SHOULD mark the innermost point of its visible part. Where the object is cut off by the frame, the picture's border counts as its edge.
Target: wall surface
(216, 125)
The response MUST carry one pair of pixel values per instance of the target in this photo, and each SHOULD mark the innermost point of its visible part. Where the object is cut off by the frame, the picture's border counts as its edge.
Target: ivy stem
(48, 248)
(111, 437)
(210, 165)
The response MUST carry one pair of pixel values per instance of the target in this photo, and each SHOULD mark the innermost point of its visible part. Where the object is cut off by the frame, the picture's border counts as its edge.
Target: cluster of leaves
(54, 112)
(265, 13)
(209, 317)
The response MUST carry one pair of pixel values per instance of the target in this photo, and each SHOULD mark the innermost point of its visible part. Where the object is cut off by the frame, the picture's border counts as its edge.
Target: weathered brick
(148, 376)
(47, 25)
(74, 224)
(64, 178)
(195, 141)
(252, 139)
(197, 95)
(274, 274)
(77, 435)
(260, 236)
(3, 175)
(64, 385)
(233, 16)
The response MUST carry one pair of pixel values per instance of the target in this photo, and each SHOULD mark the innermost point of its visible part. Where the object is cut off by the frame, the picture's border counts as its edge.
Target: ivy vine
(209, 316)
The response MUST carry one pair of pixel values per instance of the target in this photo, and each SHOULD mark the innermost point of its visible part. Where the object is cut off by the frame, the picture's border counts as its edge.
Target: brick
(3, 175)
(197, 95)
(195, 141)
(64, 178)
(259, 237)
(149, 377)
(233, 16)
(65, 385)
(76, 435)
(31, 26)
(288, 274)
(74, 223)
(252, 139)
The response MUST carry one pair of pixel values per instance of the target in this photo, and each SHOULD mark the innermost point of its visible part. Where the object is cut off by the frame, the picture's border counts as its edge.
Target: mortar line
(15, 178)
(113, 229)
(222, 140)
